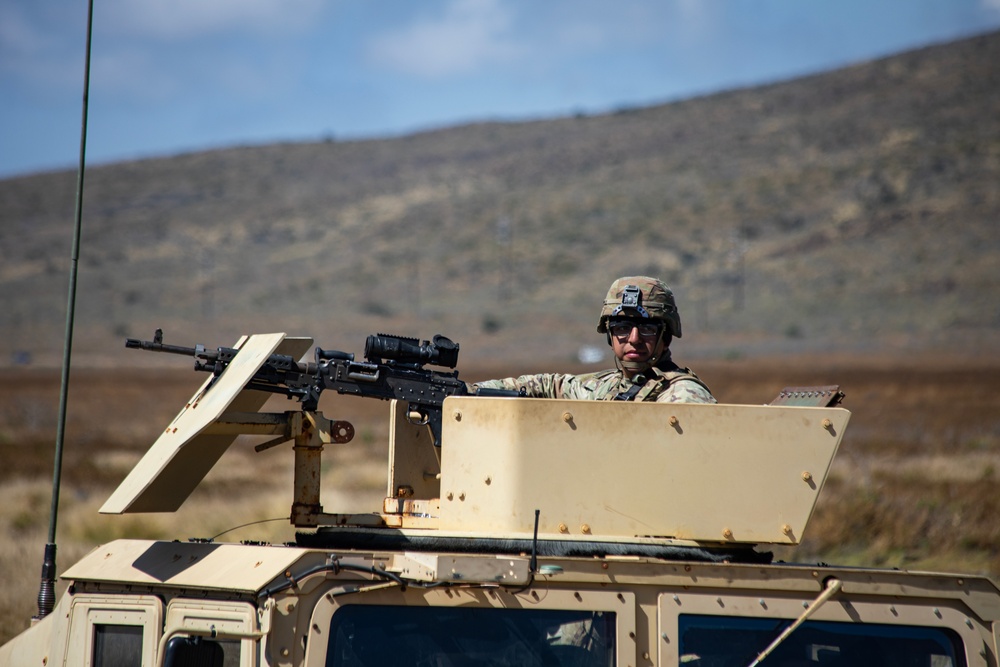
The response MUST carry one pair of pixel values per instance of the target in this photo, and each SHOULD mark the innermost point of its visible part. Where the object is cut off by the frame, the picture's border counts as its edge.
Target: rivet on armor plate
(488, 480)
(827, 424)
(457, 415)
(461, 496)
(786, 529)
(450, 495)
(673, 421)
(727, 533)
(563, 528)
(567, 417)
(807, 476)
(585, 528)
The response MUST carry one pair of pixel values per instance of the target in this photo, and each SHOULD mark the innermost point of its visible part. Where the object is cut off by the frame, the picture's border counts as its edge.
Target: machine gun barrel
(215, 360)
(199, 352)
(158, 346)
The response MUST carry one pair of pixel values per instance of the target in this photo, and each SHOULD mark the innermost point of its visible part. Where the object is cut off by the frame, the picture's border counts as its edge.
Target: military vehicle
(538, 532)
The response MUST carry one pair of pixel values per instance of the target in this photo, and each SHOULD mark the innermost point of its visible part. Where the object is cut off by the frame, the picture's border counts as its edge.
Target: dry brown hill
(856, 210)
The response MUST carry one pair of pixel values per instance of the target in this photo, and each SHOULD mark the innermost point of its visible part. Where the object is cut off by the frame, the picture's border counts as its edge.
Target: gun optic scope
(441, 352)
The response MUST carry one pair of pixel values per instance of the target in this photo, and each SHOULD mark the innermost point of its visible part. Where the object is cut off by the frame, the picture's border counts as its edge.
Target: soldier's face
(634, 346)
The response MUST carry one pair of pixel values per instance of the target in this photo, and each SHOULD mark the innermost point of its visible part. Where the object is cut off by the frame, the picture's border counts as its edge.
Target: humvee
(540, 532)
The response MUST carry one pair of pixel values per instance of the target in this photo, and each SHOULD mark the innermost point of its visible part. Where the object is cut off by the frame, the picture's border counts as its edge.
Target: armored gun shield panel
(183, 454)
(706, 473)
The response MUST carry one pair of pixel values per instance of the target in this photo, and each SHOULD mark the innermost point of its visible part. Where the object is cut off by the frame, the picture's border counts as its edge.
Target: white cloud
(182, 19)
(470, 34)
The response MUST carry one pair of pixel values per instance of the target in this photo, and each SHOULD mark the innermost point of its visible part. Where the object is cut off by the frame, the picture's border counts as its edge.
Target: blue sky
(186, 75)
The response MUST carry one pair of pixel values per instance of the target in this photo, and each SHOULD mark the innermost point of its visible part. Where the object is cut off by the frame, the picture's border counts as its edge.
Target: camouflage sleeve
(543, 385)
(686, 391)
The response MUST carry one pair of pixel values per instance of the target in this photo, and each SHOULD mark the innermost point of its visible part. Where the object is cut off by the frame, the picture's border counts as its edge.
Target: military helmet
(642, 297)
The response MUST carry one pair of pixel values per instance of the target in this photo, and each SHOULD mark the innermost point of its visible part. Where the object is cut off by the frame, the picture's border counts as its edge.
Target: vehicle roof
(250, 569)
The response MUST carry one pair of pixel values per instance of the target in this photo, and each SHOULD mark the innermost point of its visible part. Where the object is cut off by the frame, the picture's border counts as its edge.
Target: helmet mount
(631, 300)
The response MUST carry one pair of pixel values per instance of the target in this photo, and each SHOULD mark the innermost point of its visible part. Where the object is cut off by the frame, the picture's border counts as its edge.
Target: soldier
(640, 319)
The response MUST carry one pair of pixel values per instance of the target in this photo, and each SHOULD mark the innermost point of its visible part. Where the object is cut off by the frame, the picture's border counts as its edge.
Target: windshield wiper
(832, 586)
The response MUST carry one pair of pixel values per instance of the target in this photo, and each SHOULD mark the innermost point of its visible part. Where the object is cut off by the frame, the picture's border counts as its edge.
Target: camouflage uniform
(638, 298)
(675, 386)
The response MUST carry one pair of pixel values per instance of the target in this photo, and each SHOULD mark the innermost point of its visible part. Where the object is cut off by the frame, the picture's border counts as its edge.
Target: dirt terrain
(914, 485)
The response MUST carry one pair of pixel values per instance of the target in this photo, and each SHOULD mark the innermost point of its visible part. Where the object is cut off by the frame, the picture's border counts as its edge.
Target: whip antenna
(46, 591)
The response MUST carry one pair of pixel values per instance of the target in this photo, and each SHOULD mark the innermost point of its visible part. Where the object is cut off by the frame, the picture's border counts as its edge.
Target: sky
(175, 76)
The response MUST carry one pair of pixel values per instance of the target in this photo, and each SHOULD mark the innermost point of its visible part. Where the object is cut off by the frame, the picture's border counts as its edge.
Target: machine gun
(393, 369)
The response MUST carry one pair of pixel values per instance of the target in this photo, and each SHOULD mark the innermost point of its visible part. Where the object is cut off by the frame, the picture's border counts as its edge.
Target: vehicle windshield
(389, 636)
(730, 641)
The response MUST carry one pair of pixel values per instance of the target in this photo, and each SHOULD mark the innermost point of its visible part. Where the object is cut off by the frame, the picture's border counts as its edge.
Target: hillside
(855, 211)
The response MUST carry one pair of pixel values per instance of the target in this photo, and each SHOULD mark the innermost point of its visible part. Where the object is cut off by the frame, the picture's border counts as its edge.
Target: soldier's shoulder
(682, 385)
(675, 373)
(686, 389)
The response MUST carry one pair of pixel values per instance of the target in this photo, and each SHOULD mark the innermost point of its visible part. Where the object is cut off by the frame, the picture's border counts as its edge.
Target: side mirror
(193, 652)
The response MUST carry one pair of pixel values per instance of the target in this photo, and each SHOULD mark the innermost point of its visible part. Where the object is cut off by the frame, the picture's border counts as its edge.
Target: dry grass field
(914, 486)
